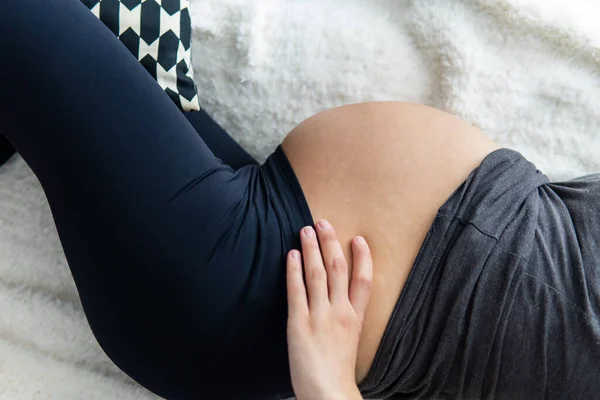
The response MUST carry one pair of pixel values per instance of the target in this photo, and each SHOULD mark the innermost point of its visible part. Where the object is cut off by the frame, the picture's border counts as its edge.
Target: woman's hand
(326, 314)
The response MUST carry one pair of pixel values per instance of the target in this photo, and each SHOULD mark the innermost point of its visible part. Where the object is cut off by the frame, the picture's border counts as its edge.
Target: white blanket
(525, 71)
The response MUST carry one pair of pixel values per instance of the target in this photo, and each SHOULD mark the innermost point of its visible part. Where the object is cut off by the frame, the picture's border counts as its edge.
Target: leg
(178, 259)
(218, 141)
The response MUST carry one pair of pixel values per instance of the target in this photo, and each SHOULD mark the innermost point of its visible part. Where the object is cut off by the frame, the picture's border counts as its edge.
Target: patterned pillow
(158, 33)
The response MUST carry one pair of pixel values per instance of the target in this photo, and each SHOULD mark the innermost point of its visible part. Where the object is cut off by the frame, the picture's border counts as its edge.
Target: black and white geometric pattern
(159, 34)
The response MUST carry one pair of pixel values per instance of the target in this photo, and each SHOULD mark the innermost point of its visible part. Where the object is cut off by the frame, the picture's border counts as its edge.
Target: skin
(382, 170)
(326, 310)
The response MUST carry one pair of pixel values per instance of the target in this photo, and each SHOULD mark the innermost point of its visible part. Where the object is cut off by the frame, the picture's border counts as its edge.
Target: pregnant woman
(486, 276)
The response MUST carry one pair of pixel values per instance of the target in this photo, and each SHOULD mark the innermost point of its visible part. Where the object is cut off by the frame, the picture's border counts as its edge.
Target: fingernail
(361, 240)
(309, 232)
(295, 255)
(323, 224)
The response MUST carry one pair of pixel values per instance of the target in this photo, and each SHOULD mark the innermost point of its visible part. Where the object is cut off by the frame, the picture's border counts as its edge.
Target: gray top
(503, 300)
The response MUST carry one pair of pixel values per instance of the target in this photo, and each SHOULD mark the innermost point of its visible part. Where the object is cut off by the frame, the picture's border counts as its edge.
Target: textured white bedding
(525, 71)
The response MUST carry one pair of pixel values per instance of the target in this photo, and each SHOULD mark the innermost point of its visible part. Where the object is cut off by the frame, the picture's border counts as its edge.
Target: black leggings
(218, 141)
(179, 258)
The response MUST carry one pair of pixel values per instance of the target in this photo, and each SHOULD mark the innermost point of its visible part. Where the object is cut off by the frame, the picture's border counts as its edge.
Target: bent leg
(176, 256)
(220, 143)
(88, 94)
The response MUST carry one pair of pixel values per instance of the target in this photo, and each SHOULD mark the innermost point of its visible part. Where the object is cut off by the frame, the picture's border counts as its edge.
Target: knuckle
(319, 318)
(322, 314)
(346, 319)
(338, 265)
(317, 274)
(364, 282)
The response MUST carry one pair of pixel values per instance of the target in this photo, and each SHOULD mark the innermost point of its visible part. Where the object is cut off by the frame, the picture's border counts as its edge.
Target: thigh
(382, 170)
(112, 153)
(178, 258)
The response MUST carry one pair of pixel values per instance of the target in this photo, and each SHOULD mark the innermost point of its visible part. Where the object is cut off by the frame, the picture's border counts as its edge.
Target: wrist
(348, 392)
(353, 393)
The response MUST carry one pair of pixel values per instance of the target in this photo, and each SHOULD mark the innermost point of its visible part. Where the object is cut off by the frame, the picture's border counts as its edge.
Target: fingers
(326, 270)
(314, 270)
(296, 291)
(362, 275)
(335, 262)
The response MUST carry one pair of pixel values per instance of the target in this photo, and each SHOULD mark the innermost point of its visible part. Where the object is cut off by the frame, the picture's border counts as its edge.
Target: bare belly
(382, 170)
